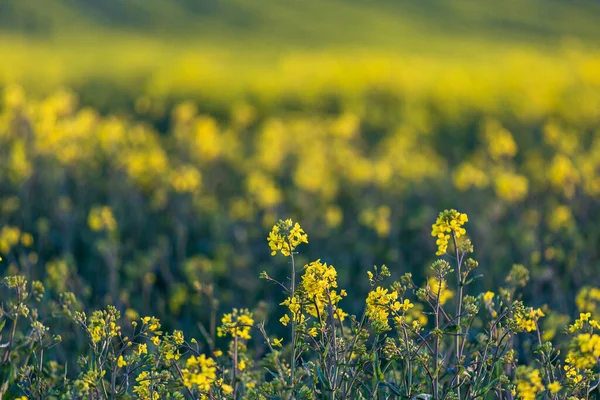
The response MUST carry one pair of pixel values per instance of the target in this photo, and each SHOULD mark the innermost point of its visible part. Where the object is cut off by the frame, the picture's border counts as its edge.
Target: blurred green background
(147, 147)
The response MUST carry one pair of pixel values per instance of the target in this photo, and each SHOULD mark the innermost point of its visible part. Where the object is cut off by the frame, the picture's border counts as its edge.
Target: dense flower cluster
(103, 324)
(380, 303)
(200, 372)
(529, 385)
(527, 320)
(449, 222)
(236, 324)
(285, 237)
(318, 285)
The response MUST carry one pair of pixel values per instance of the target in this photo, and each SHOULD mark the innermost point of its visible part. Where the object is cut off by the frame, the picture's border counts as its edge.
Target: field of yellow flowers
(233, 220)
(412, 340)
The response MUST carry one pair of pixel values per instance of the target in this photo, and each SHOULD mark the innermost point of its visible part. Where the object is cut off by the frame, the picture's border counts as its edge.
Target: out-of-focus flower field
(136, 208)
(156, 196)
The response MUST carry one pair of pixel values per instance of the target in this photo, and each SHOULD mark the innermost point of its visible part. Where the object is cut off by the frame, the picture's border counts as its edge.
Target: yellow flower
(142, 349)
(242, 365)
(529, 383)
(285, 320)
(488, 296)
(379, 303)
(318, 286)
(142, 389)
(236, 324)
(152, 322)
(285, 237)
(277, 342)
(528, 320)
(226, 389)
(178, 337)
(406, 305)
(554, 387)
(121, 362)
(217, 353)
(583, 317)
(199, 372)
(449, 222)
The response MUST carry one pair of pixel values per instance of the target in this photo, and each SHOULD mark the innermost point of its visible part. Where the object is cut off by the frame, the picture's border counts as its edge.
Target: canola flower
(121, 362)
(142, 389)
(449, 222)
(236, 324)
(530, 385)
(142, 349)
(554, 387)
(527, 320)
(103, 324)
(488, 296)
(588, 299)
(200, 372)
(163, 363)
(584, 319)
(319, 285)
(285, 237)
(381, 303)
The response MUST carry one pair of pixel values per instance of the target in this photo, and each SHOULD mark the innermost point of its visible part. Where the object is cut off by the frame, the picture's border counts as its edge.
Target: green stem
(458, 312)
(293, 356)
(436, 368)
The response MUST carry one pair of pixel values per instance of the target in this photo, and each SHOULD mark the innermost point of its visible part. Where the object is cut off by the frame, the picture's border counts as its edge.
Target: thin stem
(408, 360)
(458, 310)
(235, 363)
(293, 356)
(437, 341)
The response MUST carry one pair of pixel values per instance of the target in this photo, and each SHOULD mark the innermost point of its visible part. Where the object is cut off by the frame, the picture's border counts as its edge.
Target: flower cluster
(236, 324)
(529, 384)
(583, 320)
(102, 218)
(200, 372)
(143, 387)
(285, 237)
(527, 320)
(318, 285)
(103, 324)
(449, 222)
(588, 299)
(380, 303)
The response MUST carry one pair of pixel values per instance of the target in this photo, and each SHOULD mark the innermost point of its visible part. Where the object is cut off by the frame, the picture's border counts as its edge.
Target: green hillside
(100, 29)
(304, 24)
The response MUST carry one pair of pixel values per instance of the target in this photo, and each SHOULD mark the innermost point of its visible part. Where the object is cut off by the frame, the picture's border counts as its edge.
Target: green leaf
(393, 388)
(322, 379)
